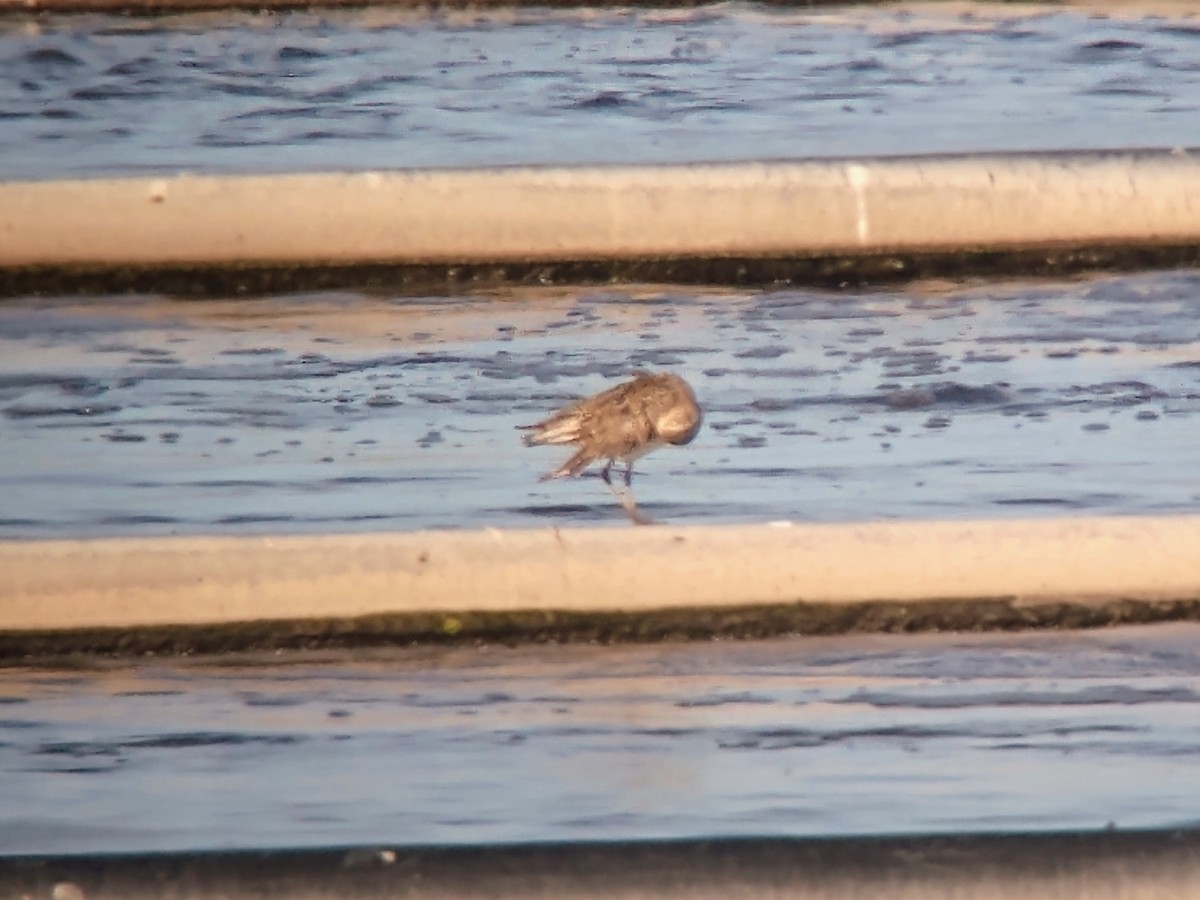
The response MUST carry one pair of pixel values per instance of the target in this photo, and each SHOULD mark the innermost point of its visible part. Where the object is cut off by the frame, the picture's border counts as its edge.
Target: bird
(623, 423)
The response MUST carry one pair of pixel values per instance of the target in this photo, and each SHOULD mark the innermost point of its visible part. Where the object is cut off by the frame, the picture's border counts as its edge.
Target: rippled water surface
(340, 413)
(317, 413)
(816, 736)
(86, 95)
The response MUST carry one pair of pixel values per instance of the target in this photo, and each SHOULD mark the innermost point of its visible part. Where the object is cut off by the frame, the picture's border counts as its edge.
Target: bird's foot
(625, 498)
(635, 515)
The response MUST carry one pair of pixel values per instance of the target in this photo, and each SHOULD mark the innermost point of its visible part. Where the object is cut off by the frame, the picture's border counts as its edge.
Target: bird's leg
(606, 474)
(627, 501)
(625, 497)
(631, 510)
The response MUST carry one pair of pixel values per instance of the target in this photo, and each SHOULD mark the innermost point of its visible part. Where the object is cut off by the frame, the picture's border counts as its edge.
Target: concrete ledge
(1155, 865)
(547, 216)
(222, 593)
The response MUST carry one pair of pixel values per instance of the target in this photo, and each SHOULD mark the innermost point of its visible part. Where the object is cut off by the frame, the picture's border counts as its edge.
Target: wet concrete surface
(353, 412)
(224, 92)
(790, 737)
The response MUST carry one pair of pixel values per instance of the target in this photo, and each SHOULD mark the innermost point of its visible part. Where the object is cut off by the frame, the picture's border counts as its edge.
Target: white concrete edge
(868, 206)
(120, 583)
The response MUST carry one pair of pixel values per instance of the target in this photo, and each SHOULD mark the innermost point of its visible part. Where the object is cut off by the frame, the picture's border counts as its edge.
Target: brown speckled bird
(622, 423)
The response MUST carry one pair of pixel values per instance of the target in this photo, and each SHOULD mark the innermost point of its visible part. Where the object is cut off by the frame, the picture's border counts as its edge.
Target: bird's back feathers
(622, 422)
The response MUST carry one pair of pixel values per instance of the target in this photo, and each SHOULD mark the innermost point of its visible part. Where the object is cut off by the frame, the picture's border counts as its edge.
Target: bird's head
(679, 424)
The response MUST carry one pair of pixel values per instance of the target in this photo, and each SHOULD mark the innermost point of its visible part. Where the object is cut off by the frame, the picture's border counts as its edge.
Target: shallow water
(814, 736)
(153, 416)
(90, 95)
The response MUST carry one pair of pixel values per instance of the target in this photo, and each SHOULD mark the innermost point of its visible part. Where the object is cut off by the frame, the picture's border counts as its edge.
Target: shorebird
(622, 423)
